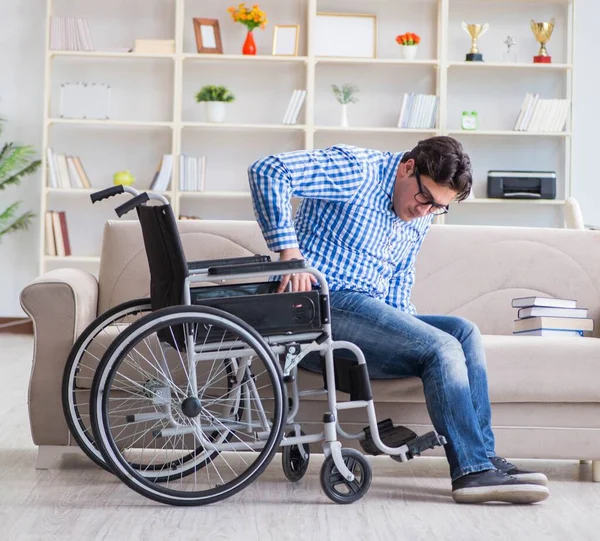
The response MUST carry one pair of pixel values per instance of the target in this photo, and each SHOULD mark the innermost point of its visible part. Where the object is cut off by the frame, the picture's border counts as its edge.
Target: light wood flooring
(406, 502)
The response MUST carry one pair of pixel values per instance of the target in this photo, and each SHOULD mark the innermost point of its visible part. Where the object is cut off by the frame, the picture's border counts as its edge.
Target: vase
(249, 45)
(344, 118)
(409, 52)
(215, 111)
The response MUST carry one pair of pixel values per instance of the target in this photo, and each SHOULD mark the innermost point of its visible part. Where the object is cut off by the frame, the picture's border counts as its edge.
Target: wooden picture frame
(352, 35)
(285, 39)
(208, 36)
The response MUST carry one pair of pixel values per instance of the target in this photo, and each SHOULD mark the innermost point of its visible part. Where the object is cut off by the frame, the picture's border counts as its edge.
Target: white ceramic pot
(215, 111)
(409, 52)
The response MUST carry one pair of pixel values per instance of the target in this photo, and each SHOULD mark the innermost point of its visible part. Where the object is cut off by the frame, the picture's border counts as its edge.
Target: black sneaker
(503, 465)
(496, 486)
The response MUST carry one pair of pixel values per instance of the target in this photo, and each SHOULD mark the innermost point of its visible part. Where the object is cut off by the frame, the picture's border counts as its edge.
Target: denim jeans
(446, 352)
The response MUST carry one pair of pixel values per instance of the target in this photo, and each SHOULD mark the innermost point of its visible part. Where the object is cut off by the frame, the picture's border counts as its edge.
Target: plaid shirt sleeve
(332, 174)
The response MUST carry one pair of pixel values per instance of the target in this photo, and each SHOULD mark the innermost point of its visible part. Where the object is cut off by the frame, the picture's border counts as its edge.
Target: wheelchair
(187, 395)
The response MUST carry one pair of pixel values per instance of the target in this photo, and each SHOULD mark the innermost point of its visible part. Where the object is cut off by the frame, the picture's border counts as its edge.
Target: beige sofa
(545, 392)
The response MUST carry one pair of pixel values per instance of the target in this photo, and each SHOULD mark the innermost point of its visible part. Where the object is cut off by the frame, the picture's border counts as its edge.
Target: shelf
(88, 191)
(77, 258)
(510, 201)
(401, 61)
(511, 65)
(109, 122)
(209, 194)
(509, 133)
(109, 54)
(375, 129)
(233, 126)
(243, 58)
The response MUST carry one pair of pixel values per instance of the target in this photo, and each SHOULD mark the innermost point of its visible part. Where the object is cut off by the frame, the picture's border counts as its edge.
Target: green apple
(124, 178)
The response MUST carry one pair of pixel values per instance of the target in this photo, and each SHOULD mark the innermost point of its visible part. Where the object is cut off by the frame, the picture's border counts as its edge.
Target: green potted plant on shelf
(16, 162)
(215, 98)
(345, 95)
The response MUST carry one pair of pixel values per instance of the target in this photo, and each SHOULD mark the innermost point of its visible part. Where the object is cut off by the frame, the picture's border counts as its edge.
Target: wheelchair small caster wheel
(340, 490)
(294, 466)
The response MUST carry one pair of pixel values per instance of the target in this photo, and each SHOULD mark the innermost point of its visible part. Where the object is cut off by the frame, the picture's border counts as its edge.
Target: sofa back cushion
(468, 271)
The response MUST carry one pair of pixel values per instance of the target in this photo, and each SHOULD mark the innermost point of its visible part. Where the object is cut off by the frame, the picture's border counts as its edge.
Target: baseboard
(16, 325)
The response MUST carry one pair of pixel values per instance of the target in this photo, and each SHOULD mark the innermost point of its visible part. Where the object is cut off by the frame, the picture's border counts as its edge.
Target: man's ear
(409, 167)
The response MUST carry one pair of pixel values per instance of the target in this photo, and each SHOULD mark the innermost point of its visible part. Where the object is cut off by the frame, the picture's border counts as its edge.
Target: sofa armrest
(61, 304)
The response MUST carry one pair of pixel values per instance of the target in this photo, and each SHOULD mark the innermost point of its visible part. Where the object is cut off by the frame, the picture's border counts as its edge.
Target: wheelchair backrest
(166, 259)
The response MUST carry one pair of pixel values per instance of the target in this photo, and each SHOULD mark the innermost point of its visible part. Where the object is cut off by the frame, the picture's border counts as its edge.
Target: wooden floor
(411, 501)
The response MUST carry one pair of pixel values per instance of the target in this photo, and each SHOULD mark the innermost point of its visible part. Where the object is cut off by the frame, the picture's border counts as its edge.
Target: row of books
(192, 172)
(542, 115)
(57, 233)
(418, 111)
(545, 316)
(294, 107)
(70, 34)
(66, 171)
(162, 177)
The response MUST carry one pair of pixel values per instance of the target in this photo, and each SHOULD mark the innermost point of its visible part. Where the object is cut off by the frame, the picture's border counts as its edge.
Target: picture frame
(351, 35)
(208, 36)
(285, 39)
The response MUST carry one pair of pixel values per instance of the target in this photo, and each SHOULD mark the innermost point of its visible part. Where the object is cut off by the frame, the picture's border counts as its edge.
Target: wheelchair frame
(294, 346)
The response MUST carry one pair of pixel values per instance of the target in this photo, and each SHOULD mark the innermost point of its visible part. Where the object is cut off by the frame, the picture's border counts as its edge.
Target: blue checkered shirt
(345, 225)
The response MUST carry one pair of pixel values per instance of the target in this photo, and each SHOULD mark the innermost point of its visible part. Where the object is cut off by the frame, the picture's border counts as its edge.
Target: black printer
(521, 184)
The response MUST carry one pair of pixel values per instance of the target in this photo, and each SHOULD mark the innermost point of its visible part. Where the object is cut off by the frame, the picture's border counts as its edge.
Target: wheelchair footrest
(392, 436)
(423, 443)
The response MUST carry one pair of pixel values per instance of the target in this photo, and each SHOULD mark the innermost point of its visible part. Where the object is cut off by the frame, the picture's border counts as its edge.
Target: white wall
(22, 36)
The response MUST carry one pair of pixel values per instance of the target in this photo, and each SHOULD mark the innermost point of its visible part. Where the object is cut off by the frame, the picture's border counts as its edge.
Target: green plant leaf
(16, 178)
(18, 224)
(214, 93)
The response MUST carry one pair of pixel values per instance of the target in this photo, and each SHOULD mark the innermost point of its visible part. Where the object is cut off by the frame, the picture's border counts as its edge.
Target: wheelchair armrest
(202, 265)
(272, 266)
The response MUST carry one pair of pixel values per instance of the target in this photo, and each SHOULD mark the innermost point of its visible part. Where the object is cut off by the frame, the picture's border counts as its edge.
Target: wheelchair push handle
(132, 204)
(109, 192)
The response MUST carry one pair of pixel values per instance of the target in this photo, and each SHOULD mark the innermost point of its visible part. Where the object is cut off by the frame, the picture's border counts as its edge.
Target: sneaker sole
(502, 493)
(533, 478)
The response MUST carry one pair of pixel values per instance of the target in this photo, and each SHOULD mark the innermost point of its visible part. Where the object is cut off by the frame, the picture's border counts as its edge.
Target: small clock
(469, 120)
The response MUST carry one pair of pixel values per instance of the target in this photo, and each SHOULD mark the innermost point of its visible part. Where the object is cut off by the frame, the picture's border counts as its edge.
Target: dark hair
(443, 159)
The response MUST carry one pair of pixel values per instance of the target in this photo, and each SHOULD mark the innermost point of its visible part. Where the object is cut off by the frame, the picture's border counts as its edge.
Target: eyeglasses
(424, 198)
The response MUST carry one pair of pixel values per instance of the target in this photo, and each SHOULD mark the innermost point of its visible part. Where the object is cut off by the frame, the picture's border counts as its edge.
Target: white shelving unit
(264, 83)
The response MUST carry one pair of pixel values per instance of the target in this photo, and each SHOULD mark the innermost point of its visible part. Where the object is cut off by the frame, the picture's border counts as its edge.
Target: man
(362, 220)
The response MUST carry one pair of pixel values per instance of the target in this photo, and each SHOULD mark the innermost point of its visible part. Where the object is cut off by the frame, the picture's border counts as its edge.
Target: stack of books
(57, 234)
(70, 34)
(65, 171)
(542, 115)
(294, 107)
(162, 177)
(544, 316)
(418, 111)
(192, 172)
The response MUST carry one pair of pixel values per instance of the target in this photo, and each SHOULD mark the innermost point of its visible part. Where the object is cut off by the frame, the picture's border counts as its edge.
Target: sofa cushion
(521, 369)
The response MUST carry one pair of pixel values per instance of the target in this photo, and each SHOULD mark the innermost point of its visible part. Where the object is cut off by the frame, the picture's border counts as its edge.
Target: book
(543, 311)
(551, 332)
(550, 302)
(64, 232)
(557, 323)
(58, 238)
(49, 234)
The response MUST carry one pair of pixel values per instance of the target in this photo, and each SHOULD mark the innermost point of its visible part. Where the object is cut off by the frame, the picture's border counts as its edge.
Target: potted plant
(215, 98)
(345, 95)
(16, 162)
(409, 44)
(251, 18)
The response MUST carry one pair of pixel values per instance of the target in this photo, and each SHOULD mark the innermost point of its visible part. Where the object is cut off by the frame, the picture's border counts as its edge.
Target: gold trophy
(475, 31)
(542, 33)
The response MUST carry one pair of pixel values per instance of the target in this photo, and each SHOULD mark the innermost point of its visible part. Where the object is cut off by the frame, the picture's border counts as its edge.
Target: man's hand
(301, 281)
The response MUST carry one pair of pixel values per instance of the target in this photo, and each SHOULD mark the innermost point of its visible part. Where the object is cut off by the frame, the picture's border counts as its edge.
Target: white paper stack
(162, 178)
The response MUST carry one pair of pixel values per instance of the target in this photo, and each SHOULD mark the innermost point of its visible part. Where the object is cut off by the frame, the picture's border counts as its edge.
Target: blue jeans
(446, 352)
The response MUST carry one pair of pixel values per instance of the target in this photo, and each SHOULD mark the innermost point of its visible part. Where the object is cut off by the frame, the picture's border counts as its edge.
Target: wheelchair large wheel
(188, 405)
(81, 366)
